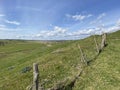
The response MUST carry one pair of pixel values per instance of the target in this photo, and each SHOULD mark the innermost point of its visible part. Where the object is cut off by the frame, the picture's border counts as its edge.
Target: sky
(57, 19)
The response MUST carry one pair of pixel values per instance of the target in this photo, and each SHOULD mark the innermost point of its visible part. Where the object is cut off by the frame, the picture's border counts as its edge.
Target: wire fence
(97, 44)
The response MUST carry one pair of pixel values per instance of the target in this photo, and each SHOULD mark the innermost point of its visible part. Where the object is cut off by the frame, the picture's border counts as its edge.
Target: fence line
(61, 85)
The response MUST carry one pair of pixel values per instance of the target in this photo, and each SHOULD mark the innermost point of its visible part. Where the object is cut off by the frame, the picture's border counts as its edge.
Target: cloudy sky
(57, 19)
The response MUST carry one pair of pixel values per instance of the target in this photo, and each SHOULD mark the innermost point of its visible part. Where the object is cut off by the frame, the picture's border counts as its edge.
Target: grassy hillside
(59, 61)
(104, 72)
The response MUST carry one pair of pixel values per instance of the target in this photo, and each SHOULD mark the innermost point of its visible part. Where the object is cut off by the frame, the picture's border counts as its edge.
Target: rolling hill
(60, 61)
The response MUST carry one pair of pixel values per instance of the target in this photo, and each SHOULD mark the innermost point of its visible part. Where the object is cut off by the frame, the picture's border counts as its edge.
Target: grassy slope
(103, 73)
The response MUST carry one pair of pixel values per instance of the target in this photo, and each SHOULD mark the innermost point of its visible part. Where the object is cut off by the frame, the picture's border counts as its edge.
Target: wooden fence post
(35, 76)
(103, 43)
(82, 56)
(97, 47)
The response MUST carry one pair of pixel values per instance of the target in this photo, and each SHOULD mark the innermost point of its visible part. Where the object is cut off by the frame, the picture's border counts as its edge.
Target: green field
(59, 61)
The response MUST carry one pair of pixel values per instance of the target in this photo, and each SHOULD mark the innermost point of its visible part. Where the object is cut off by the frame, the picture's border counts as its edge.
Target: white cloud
(57, 31)
(61, 32)
(112, 29)
(47, 34)
(85, 32)
(64, 33)
(78, 17)
(118, 22)
(12, 22)
(7, 29)
(3, 19)
(98, 19)
(101, 16)
(92, 31)
(2, 28)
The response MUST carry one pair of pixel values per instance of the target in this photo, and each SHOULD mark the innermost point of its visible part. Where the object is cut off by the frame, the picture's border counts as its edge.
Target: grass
(58, 61)
(104, 72)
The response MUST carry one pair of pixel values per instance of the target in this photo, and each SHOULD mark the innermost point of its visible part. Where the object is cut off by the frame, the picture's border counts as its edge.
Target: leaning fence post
(82, 55)
(35, 76)
(103, 43)
(97, 47)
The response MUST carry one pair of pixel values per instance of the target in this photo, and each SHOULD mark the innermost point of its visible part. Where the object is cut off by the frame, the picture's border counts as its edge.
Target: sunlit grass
(58, 61)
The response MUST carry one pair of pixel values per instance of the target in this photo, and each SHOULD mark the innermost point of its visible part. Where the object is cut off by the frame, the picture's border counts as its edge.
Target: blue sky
(53, 19)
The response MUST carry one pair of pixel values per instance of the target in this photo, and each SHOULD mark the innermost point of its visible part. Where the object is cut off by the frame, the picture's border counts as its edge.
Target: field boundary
(62, 85)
